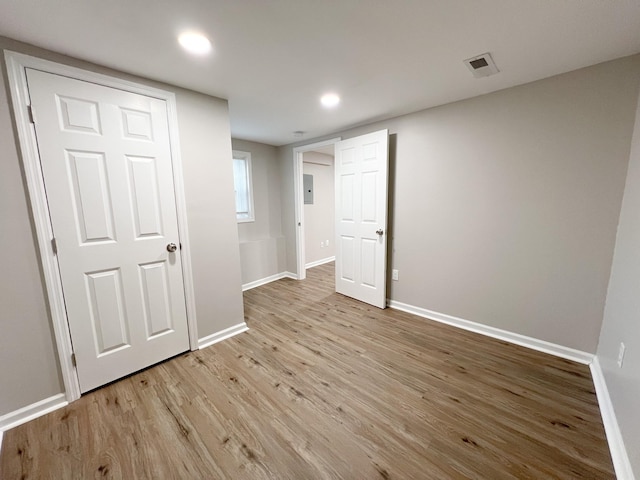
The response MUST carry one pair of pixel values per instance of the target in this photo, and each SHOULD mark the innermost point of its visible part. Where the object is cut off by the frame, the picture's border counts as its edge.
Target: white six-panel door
(107, 171)
(361, 169)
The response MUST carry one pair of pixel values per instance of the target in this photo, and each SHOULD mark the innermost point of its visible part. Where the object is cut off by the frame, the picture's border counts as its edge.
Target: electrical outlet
(394, 274)
(321, 244)
(621, 354)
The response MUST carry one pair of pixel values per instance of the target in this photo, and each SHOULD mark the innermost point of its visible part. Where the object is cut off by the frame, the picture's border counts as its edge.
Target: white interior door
(362, 165)
(107, 170)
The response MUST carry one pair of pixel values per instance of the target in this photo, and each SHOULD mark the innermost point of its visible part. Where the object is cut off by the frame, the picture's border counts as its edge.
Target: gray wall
(622, 312)
(262, 245)
(29, 369)
(319, 218)
(205, 144)
(504, 207)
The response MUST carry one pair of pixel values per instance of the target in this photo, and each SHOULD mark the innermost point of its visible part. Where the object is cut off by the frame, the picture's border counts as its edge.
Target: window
(243, 187)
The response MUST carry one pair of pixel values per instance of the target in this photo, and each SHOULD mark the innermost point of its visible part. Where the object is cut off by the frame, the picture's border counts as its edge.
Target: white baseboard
(320, 262)
(522, 340)
(30, 412)
(222, 335)
(618, 451)
(269, 279)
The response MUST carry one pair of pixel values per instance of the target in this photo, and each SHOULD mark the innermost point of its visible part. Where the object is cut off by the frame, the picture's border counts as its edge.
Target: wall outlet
(394, 274)
(621, 354)
(321, 244)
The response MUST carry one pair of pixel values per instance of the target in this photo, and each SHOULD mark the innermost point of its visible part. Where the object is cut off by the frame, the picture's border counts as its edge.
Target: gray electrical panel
(307, 184)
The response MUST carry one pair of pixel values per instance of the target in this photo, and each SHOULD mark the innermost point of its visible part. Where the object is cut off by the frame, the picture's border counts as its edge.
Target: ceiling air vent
(481, 65)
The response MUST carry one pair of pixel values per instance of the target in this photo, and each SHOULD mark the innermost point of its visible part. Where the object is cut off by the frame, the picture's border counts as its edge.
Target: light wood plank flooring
(324, 387)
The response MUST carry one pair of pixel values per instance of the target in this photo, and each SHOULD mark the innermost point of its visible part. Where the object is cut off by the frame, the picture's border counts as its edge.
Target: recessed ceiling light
(195, 43)
(330, 100)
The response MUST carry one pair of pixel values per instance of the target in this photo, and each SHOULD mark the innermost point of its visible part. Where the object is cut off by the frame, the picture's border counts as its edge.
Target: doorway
(325, 147)
(361, 184)
(319, 206)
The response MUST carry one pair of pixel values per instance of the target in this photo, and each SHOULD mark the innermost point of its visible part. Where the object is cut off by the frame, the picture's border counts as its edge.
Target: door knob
(171, 247)
(380, 231)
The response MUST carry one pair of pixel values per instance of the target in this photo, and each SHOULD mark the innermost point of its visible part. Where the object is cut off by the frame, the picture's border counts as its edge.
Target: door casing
(16, 65)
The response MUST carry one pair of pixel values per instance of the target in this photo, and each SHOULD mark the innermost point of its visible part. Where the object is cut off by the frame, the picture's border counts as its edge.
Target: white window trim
(246, 156)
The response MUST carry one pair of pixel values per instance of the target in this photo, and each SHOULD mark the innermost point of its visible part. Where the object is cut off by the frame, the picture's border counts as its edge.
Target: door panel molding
(17, 64)
(361, 173)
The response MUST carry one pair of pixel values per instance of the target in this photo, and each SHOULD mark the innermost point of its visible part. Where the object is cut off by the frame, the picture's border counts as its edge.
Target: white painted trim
(299, 200)
(246, 156)
(183, 228)
(522, 340)
(222, 335)
(35, 185)
(269, 279)
(321, 262)
(30, 412)
(16, 65)
(621, 462)
(327, 162)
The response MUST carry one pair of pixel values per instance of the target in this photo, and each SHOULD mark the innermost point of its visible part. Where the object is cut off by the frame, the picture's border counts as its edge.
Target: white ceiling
(273, 58)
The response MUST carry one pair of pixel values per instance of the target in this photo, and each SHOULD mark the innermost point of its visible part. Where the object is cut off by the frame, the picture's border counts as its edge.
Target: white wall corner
(31, 412)
(320, 262)
(522, 340)
(269, 279)
(621, 462)
(222, 335)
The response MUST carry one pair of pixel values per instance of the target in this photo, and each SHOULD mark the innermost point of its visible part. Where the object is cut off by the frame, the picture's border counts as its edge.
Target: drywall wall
(205, 144)
(319, 218)
(262, 245)
(504, 207)
(621, 322)
(29, 369)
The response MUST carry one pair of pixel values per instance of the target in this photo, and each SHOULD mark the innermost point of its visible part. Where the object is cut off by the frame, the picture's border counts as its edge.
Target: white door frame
(16, 65)
(299, 200)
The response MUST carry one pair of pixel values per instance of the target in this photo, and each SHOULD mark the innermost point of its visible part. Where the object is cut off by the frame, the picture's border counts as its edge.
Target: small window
(243, 186)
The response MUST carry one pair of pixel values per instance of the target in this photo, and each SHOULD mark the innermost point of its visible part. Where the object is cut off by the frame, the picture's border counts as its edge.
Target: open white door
(107, 168)
(362, 165)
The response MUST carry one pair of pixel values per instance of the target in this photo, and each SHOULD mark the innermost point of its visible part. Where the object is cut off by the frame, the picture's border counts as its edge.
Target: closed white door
(107, 170)
(361, 165)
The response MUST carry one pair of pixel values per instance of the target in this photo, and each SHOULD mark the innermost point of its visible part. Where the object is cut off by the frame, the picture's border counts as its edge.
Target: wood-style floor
(325, 387)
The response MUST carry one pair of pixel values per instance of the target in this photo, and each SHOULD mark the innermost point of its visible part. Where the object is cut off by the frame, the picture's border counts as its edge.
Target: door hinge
(54, 246)
(73, 360)
(31, 117)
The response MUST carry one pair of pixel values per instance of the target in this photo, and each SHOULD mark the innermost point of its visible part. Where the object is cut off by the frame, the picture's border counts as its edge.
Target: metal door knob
(380, 231)
(171, 247)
